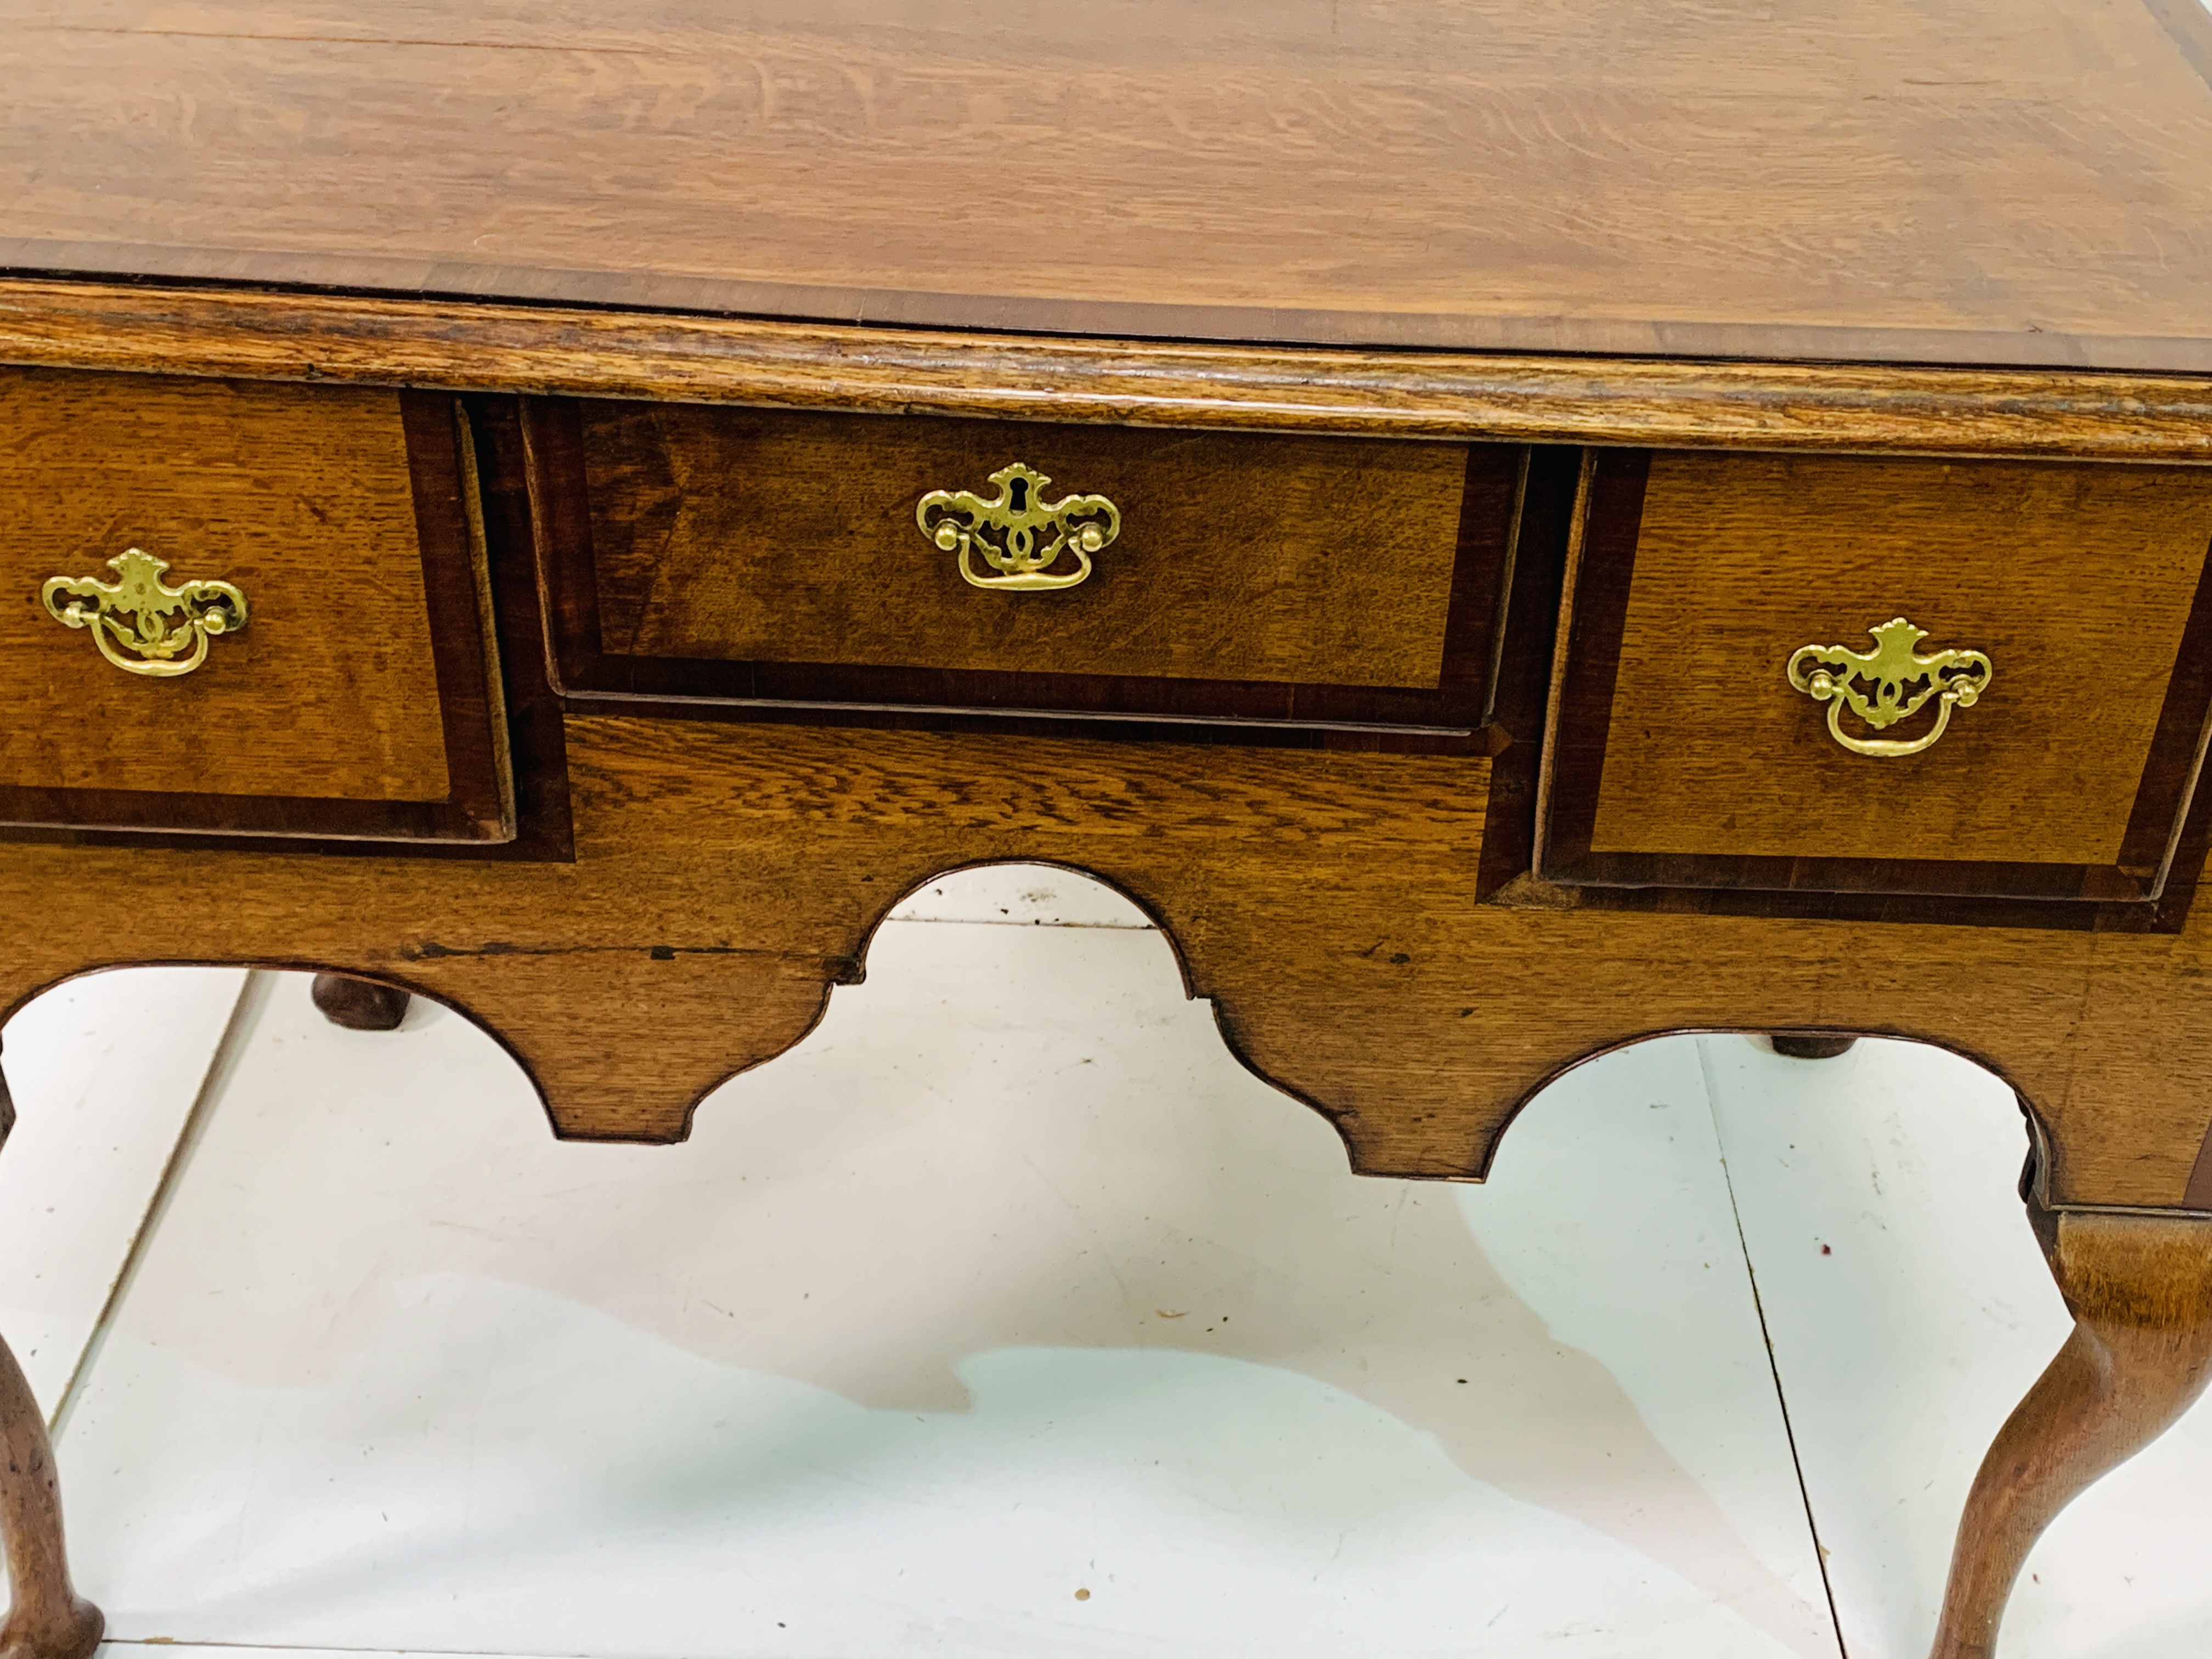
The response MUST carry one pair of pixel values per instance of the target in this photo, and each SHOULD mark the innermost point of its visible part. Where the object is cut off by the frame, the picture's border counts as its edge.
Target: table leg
(1811, 1045)
(2140, 1290)
(48, 1619)
(359, 1004)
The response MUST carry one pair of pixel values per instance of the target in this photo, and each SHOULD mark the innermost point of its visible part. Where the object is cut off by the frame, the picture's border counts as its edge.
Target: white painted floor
(1053, 1332)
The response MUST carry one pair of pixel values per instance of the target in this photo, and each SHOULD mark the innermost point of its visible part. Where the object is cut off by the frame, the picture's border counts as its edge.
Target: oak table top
(1968, 181)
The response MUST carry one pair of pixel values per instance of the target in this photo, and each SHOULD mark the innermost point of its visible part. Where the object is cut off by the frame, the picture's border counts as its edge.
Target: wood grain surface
(1972, 180)
(2076, 581)
(728, 876)
(386, 341)
(2198, 1194)
(303, 499)
(784, 537)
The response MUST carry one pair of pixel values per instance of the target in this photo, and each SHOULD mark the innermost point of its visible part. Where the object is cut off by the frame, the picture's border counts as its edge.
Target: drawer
(826, 561)
(358, 698)
(1732, 617)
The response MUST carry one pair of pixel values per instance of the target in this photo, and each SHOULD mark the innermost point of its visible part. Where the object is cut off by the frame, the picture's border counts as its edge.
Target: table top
(1982, 181)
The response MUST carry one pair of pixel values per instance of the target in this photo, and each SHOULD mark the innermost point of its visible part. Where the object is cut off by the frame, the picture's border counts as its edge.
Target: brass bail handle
(1018, 533)
(1890, 682)
(140, 623)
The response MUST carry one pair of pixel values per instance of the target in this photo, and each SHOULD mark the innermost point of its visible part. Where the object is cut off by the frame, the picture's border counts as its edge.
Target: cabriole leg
(2140, 1290)
(48, 1619)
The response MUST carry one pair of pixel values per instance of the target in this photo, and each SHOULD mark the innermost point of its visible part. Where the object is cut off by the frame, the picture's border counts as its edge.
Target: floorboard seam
(1773, 1366)
(245, 1014)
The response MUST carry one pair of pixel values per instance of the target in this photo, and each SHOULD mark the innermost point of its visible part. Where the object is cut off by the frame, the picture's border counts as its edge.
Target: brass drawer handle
(132, 615)
(962, 521)
(1899, 681)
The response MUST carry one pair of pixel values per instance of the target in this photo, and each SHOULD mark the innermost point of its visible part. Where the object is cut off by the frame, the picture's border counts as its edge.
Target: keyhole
(1017, 493)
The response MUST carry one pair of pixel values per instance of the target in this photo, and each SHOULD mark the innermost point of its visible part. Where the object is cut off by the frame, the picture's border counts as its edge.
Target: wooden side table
(1506, 530)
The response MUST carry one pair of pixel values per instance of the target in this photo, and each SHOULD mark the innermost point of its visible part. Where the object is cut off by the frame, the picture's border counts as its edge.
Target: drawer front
(2061, 683)
(780, 556)
(355, 701)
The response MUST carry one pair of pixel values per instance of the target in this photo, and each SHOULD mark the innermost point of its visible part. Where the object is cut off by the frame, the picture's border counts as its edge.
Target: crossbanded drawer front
(1872, 674)
(243, 609)
(831, 560)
